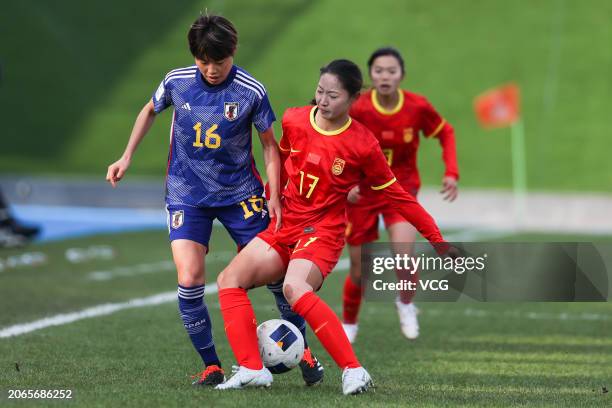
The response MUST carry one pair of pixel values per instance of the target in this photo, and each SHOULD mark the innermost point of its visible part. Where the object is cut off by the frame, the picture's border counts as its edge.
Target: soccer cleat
(351, 331)
(312, 370)
(246, 377)
(213, 375)
(8, 239)
(355, 381)
(408, 319)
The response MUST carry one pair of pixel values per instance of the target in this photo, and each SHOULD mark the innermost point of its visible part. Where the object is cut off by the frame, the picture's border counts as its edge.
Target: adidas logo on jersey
(186, 106)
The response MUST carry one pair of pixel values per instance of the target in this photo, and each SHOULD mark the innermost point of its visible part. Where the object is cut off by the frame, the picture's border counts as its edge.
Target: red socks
(406, 296)
(240, 326)
(351, 300)
(327, 327)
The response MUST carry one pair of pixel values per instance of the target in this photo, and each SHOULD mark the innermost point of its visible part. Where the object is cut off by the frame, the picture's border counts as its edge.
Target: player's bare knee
(223, 280)
(189, 276)
(293, 292)
(229, 279)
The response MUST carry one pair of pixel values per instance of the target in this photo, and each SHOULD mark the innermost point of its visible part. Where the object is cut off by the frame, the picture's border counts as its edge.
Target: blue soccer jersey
(210, 163)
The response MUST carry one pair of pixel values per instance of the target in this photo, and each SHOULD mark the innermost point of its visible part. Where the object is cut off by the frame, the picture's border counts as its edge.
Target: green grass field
(78, 75)
(469, 354)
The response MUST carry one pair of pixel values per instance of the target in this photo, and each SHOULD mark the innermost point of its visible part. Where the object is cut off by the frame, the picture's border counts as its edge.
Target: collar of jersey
(384, 111)
(314, 125)
(222, 85)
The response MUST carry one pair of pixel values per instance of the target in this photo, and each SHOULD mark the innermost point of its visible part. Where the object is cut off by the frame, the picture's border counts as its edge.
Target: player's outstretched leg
(197, 323)
(241, 330)
(302, 276)
(352, 294)
(312, 370)
(406, 309)
(402, 235)
(257, 264)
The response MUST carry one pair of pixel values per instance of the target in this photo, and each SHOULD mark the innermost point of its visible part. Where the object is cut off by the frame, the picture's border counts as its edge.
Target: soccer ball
(281, 345)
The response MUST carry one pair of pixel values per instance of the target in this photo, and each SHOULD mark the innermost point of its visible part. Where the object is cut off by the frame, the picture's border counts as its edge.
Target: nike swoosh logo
(242, 384)
(320, 327)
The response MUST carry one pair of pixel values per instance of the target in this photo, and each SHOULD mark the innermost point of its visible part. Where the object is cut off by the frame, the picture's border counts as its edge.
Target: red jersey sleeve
(285, 150)
(435, 126)
(381, 179)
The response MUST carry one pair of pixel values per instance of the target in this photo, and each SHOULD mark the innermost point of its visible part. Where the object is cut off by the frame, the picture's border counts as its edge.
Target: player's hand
(274, 207)
(453, 253)
(116, 171)
(446, 250)
(353, 195)
(449, 188)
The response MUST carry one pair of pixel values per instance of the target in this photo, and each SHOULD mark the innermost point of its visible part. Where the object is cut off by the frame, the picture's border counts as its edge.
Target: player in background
(212, 175)
(396, 117)
(325, 154)
(13, 233)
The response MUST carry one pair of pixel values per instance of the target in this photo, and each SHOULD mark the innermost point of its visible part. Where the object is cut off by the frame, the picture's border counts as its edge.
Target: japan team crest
(408, 135)
(177, 219)
(338, 166)
(230, 110)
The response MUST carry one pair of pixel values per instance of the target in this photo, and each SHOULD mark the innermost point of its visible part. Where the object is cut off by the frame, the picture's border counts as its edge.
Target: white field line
(94, 311)
(152, 267)
(166, 297)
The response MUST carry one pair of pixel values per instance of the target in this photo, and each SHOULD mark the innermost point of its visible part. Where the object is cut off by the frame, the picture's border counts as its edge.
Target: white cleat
(246, 377)
(355, 381)
(408, 319)
(351, 331)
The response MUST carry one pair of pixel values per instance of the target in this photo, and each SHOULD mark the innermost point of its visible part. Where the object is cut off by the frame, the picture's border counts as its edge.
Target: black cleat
(312, 370)
(212, 376)
(14, 234)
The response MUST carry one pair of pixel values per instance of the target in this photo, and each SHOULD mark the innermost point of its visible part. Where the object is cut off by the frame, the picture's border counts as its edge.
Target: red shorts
(362, 218)
(320, 245)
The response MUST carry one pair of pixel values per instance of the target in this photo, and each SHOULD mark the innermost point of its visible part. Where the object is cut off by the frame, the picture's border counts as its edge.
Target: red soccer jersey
(398, 131)
(320, 168)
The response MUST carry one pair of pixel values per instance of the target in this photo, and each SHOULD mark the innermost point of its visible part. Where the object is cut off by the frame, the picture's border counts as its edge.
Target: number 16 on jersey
(212, 140)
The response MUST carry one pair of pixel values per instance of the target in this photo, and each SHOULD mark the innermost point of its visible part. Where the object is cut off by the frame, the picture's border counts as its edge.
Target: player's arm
(143, 123)
(284, 147)
(446, 137)
(381, 179)
(436, 126)
(272, 161)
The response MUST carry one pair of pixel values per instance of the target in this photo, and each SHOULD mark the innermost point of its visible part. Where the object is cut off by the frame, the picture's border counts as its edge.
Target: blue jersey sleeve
(263, 115)
(162, 98)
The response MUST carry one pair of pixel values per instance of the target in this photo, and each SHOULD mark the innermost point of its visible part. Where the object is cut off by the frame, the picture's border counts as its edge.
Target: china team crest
(177, 219)
(338, 166)
(230, 110)
(408, 135)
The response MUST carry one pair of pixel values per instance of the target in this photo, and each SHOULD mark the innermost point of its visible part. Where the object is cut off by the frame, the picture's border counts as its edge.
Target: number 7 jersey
(210, 163)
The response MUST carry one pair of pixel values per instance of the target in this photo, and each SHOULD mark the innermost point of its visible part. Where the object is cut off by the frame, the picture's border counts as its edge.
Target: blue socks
(197, 322)
(285, 309)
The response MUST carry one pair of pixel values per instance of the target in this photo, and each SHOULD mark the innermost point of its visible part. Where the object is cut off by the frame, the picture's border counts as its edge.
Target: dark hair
(383, 52)
(348, 74)
(212, 37)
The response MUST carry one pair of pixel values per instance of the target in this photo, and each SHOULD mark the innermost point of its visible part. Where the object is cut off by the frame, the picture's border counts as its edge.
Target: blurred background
(74, 75)
(74, 78)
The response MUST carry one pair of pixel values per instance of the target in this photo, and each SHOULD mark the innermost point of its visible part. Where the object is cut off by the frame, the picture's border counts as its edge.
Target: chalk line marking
(94, 311)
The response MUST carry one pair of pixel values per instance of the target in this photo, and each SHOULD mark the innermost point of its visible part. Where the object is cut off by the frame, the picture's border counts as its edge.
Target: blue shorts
(243, 221)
